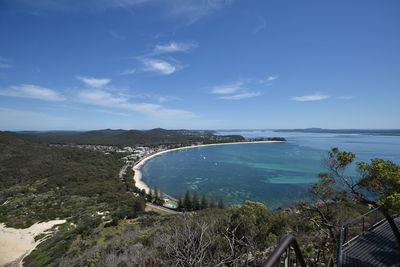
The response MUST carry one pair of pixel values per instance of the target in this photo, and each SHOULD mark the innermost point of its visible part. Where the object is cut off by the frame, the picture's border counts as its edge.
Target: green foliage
(204, 202)
(44, 183)
(187, 202)
(212, 203)
(382, 179)
(180, 203)
(195, 201)
(128, 137)
(221, 204)
(39, 237)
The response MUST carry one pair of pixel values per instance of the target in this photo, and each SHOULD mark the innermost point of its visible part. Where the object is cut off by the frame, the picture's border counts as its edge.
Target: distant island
(388, 132)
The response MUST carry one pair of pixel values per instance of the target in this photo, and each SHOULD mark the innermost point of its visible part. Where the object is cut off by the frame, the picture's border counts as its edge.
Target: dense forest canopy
(127, 137)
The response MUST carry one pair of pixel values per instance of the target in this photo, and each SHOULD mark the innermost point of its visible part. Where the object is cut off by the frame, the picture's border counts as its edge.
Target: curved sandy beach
(15, 244)
(137, 167)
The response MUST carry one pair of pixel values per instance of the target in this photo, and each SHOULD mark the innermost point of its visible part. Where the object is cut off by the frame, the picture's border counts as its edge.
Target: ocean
(277, 174)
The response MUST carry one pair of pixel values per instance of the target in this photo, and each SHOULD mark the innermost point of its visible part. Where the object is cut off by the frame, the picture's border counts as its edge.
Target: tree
(204, 202)
(142, 192)
(156, 193)
(378, 183)
(187, 202)
(212, 203)
(221, 204)
(180, 203)
(195, 201)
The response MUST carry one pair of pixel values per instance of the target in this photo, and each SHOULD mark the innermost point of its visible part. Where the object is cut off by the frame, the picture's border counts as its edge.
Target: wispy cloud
(313, 97)
(344, 97)
(269, 79)
(151, 62)
(32, 91)
(105, 99)
(159, 66)
(117, 35)
(262, 24)
(112, 112)
(188, 10)
(93, 82)
(228, 88)
(128, 71)
(241, 96)
(194, 10)
(173, 47)
(5, 63)
(234, 91)
(153, 97)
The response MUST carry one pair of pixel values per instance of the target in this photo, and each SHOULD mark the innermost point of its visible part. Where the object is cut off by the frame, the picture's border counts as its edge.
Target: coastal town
(136, 153)
(136, 156)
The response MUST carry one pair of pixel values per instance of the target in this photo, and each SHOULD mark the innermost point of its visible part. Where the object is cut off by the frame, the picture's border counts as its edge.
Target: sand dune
(15, 244)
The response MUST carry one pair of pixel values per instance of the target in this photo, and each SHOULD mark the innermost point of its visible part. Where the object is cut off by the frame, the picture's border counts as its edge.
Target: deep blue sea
(277, 174)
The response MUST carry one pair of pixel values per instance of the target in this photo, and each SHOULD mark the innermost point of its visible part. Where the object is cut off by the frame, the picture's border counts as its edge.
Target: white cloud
(153, 97)
(93, 82)
(313, 97)
(189, 10)
(106, 99)
(158, 66)
(269, 79)
(344, 97)
(162, 66)
(112, 113)
(240, 96)
(229, 88)
(193, 10)
(174, 47)
(235, 91)
(272, 78)
(32, 91)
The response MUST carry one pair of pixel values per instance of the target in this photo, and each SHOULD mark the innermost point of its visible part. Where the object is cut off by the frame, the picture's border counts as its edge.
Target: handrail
(330, 263)
(359, 217)
(345, 236)
(285, 244)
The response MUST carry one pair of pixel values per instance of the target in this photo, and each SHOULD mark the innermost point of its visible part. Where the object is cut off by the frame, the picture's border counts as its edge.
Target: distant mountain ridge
(385, 132)
(127, 137)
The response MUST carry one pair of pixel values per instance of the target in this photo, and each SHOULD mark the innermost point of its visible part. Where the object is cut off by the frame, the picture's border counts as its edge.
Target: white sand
(137, 168)
(15, 244)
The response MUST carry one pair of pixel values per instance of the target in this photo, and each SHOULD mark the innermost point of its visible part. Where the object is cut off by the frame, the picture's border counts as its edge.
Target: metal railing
(356, 228)
(286, 247)
(288, 253)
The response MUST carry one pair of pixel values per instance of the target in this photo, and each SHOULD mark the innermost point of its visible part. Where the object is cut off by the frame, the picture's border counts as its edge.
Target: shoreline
(137, 167)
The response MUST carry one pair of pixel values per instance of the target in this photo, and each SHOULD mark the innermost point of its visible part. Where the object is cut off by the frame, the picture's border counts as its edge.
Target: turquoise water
(277, 174)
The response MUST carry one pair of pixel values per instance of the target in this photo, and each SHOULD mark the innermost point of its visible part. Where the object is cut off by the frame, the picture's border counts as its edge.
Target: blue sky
(199, 64)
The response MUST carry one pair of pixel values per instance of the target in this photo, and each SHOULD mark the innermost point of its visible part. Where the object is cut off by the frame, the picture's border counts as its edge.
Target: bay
(277, 174)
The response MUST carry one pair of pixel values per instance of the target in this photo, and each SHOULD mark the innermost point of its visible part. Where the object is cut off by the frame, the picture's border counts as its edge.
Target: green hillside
(127, 137)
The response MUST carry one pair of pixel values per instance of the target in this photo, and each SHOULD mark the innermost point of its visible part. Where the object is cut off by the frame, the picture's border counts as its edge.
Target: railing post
(339, 252)
(287, 258)
(363, 225)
